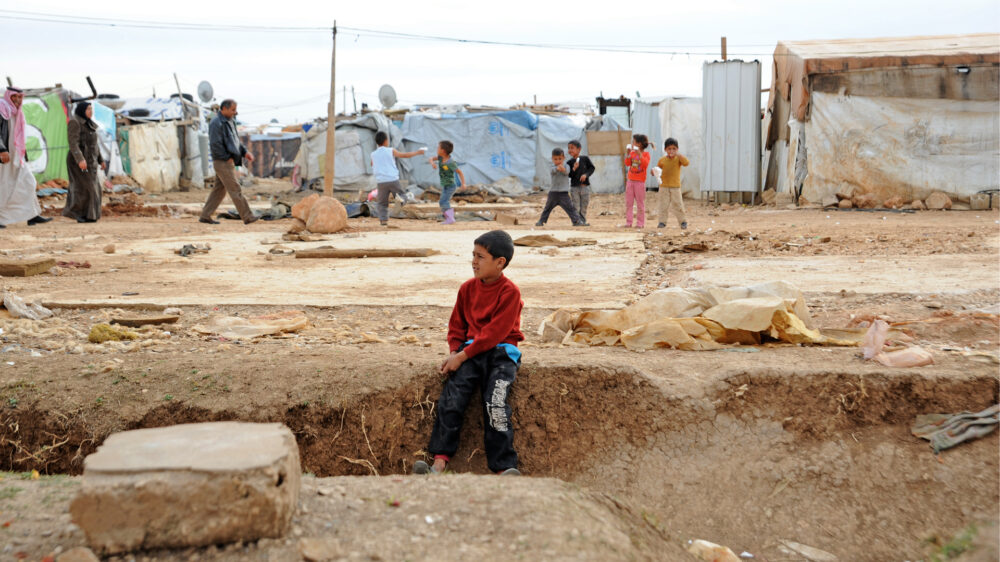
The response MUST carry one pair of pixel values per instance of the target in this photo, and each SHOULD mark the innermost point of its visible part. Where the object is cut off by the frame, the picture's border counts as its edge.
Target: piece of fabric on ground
(944, 431)
(695, 319)
(543, 240)
(234, 327)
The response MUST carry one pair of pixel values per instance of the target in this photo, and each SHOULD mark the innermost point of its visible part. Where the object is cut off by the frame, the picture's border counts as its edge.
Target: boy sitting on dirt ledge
(483, 332)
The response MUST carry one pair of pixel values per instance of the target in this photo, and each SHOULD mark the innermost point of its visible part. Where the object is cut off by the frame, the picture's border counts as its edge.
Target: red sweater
(637, 162)
(488, 314)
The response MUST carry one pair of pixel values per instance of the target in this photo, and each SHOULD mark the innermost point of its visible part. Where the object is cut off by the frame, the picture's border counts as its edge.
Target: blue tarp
(488, 146)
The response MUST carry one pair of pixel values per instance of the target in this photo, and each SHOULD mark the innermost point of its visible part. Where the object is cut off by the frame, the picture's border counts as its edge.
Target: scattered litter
(944, 431)
(20, 309)
(50, 191)
(188, 249)
(874, 349)
(280, 250)
(688, 248)
(173, 311)
(811, 553)
(742, 349)
(542, 240)
(101, 333)
(73, 264)
(746, 554)
(234, 327)
(302, 237)
(331, 252)
(711, 552)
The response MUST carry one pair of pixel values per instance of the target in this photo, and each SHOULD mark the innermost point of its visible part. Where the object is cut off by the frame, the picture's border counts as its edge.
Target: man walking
(18, 201)
(227, 153)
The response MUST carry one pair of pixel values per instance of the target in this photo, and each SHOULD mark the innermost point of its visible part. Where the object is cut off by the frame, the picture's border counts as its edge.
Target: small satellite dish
(387, 95)
(205, 92)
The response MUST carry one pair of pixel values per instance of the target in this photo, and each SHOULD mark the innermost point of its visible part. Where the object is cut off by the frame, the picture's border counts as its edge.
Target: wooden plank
(25, 268)
(366, 253)
(608, 143)
(137, 321)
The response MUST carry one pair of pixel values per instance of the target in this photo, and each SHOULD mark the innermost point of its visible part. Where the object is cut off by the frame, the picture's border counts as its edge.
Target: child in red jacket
(483, 333)
(636, 162)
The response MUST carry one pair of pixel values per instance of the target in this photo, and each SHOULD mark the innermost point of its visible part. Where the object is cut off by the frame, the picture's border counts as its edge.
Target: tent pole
(331, 122)
(723, 48)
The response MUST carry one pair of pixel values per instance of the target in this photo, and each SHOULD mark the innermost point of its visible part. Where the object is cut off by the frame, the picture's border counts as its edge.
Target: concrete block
(979, 201)
(189, 485)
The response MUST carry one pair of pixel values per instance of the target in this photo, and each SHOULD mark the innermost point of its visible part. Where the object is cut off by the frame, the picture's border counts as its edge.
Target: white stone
(189, 485)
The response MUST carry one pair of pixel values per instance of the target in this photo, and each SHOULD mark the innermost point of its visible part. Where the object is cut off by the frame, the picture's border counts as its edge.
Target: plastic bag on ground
(20, 309)
(875, 338)
(909, 357)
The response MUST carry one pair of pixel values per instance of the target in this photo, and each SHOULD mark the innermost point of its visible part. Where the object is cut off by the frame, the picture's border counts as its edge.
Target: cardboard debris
(542, 240)
(25, 268)
(695, 320)
(234, 327)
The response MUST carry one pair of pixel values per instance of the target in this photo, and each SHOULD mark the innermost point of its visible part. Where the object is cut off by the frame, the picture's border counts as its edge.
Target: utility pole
(723, 48)
(331, 122)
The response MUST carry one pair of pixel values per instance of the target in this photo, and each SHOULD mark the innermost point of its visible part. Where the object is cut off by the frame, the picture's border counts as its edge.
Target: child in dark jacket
(483, 333)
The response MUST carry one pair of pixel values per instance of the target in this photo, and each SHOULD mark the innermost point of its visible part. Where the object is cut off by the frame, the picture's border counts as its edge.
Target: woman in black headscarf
(84, 200)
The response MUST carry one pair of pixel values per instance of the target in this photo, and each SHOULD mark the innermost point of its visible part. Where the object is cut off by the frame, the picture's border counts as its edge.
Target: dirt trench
(824, 459)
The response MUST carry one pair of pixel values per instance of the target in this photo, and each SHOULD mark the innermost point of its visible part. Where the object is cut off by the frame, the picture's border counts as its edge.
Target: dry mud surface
(626, 455)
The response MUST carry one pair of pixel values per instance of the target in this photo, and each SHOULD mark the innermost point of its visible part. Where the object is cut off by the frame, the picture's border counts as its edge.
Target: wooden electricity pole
(331, 122)
(723, 48)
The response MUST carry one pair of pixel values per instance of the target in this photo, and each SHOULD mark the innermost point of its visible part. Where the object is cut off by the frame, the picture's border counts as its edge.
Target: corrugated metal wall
(731, 117)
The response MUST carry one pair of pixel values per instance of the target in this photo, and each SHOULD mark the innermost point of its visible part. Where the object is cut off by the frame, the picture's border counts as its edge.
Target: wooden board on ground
(137, 321)
(328, 252)
(608, 143)
(25, 268)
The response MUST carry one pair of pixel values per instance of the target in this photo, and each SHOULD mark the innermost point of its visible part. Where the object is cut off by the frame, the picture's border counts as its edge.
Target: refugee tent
(154, 157)
(892, 117)
(274, 153)
(45, 114)
(355, 140)
(678, 117)
(192, 139)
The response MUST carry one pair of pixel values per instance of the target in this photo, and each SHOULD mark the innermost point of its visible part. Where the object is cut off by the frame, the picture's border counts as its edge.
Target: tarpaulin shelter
(355, 140)
(678, 117)
(144, 144)
(894, 117)
(274, 153)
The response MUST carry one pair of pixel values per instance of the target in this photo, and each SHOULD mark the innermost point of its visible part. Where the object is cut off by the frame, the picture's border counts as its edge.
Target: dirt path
(752, 449)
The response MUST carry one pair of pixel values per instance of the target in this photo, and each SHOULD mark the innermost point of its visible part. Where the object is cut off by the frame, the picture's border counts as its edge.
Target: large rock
(300, 210)
(845, 204)
(188, 485)
(297, 226)
(865, 201)
(326, 215)
(917, 205)
(938, 201)
(894, 203)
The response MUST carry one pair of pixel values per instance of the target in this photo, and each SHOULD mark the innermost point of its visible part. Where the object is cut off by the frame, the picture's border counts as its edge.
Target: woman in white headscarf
(18, 201)
(83, 202)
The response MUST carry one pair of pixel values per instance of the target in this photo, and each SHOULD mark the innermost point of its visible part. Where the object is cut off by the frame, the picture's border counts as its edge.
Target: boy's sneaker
(662, 225)
(384, 223)
(421, 467)
(510, 472)
(684, 225)
(584, 223)
(539, 223)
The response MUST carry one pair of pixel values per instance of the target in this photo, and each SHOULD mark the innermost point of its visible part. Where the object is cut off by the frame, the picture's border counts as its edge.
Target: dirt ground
(627, 455)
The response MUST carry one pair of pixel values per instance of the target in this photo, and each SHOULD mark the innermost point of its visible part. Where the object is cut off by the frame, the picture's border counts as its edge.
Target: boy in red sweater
(483, 332)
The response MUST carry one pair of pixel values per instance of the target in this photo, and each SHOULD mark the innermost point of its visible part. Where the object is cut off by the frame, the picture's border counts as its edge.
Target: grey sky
(286, 75)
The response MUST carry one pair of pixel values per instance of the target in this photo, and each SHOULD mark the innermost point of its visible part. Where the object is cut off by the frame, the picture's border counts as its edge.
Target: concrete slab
(234, 272)
(940, 273)
(189, 485)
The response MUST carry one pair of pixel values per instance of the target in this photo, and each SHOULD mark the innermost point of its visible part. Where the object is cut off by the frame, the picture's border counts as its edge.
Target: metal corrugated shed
(731, 117)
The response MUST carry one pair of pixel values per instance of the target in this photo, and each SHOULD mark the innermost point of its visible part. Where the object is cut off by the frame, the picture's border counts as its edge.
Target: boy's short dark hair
(557, 152)
(447, 147)
(380, 137)
(670, 142)
(498, 243)
(575, 143)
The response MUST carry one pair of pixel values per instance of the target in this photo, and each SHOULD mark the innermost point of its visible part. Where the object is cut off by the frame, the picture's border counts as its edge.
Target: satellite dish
(205, 92)
(387, 95)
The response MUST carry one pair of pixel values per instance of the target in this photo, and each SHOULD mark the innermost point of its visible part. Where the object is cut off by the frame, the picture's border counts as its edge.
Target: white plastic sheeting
(107, 138)
(155, 155)
(681, 119)
(901, 147)
(355, 142)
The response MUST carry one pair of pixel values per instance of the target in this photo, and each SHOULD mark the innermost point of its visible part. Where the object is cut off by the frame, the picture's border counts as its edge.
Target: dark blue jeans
(493, 372)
